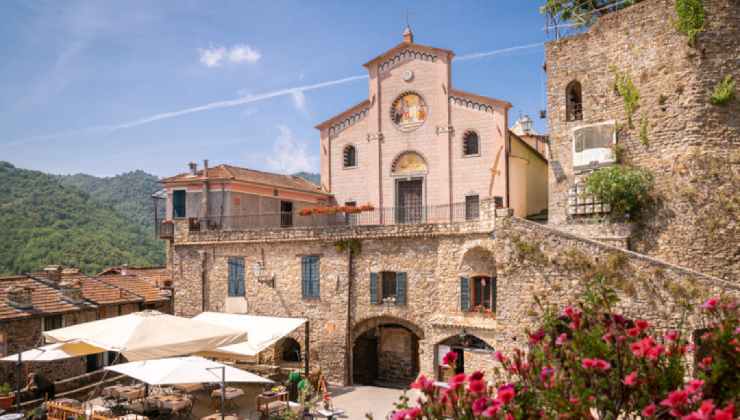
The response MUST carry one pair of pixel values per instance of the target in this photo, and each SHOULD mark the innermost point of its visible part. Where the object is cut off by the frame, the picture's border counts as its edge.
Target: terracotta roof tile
(155, 276)
(136, 285)
(45, 299)
(235, 173)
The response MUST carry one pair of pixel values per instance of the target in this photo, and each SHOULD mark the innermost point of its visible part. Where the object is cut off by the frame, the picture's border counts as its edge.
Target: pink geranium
(449, 358)
(480, 405)
(676, 399)
(506, 393)
(649, 410)
(477, 387)
(711, 304)
(631, 379)
(457, 380)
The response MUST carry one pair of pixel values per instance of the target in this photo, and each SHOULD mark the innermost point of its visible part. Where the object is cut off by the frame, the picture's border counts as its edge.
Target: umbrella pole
(305, 348)
(223, 392)
(18, 383)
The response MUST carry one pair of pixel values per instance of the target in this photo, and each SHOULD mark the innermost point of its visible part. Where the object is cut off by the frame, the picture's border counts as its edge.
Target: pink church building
(421, 146)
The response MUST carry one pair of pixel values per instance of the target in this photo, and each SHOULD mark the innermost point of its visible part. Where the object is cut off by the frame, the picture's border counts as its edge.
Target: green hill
(128, 193)
(309, 176)
(47, 220)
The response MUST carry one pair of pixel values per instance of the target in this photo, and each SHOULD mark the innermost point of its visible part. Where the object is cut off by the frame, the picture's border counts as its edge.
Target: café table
(229, 396)
(270, 403)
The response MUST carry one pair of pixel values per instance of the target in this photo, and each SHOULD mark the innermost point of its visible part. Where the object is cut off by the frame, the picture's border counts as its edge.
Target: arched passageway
(288, 350)
(473, 354)
(385, 352)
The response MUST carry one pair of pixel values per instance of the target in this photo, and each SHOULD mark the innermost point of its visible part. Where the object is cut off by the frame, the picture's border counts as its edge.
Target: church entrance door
(409, 200)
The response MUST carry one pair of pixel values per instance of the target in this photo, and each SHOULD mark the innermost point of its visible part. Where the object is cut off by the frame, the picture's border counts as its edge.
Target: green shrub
(628, 91)
(625, 189)
(5, 389)
(724, 92)
(690, 18)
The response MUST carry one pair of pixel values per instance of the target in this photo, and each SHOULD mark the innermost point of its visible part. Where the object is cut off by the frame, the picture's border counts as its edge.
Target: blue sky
(96, 87)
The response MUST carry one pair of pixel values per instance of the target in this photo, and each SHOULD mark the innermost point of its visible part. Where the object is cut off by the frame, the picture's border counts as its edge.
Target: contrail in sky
(244, 100)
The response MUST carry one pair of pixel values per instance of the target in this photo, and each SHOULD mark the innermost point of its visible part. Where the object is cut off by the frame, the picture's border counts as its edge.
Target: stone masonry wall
(691, 146)
(534, 260)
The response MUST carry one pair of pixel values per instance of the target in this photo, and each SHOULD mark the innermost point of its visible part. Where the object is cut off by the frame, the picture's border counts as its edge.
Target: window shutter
(373, 288)
(315, 277)
(494, 292)
(304, 277)
(464, 293)
(232, 277)
(240, 278)
(400, 288)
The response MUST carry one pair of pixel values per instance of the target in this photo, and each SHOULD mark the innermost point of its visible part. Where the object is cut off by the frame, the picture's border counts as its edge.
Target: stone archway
(288, 351)
(385, 352)
(477, 261)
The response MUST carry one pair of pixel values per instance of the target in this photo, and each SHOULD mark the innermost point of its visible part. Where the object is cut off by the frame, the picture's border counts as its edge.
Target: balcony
(454, 219)
(455, 213)
(166, 230)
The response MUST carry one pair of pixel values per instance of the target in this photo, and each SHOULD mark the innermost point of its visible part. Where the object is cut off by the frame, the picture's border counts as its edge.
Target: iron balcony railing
(455, 213)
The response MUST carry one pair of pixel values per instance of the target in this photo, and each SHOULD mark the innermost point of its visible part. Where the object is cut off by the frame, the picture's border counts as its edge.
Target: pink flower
(630, 379)
(706, 362)
(500, 357)
(710, 304)
(477, 387)
(588, 363)
(537, 336)
(607, 337)
(476, 376)
(633, 332)
(408, 414)
(649, 410)
(506, 393)
(655, 352)
(602, 365)
(675, 399)
(480, 405)
(491, 410)
(449, 358)
(694, 385)
(457, 380)
(671, 335)
(561, 339)
(642, 324)
(727, 413)
(423, 384)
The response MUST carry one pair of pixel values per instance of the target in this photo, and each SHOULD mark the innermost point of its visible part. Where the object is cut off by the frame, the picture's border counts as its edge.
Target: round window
(409, 111)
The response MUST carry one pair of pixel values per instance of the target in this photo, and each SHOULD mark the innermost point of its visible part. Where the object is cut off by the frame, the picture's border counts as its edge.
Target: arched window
(574, 102)
(290, 350)
(350, 156)
(471, 144)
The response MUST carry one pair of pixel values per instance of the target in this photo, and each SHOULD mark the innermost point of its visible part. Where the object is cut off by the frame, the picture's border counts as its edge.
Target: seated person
(39, 387)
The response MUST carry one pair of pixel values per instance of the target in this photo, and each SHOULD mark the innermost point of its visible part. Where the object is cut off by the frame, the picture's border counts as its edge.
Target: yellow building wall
(527, 179)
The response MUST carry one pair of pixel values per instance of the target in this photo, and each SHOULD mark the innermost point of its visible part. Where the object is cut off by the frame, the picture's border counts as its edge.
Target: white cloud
(290, 154)
(299, 100)
(240, 53)
(212, 57)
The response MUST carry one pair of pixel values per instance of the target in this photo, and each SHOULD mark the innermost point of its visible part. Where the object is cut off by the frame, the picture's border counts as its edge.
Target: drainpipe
(348, 340)
(203, 282)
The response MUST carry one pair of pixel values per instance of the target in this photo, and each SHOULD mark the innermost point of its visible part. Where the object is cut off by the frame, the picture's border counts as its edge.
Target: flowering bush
(590, 362)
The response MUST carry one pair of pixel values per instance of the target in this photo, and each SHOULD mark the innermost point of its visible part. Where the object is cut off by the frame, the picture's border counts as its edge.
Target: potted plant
(6, 396)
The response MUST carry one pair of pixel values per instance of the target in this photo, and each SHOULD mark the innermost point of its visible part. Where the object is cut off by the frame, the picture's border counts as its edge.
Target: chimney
(54, 272)
(72, 291)
(408, 36)
(124, 270)
(193, 168)
(20, 297)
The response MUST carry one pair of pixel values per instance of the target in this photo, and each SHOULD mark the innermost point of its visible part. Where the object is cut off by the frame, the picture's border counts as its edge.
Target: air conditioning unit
(593, 145)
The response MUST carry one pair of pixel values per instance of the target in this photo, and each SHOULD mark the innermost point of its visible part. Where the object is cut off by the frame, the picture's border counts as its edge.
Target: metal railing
(455, 213)
(165, 230)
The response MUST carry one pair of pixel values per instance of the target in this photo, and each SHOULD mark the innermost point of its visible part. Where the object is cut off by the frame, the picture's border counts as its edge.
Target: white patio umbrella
(56, 351)
(149, 335)
(262, 331)
(187, 370)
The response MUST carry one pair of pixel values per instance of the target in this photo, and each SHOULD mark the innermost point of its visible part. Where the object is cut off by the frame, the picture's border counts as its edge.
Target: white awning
(185, 370)
(149, 335)
(56, 351)
(262, 331)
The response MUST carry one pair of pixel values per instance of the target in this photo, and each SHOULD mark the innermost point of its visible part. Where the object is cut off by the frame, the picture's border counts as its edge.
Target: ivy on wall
(626, 88)
(724, 91)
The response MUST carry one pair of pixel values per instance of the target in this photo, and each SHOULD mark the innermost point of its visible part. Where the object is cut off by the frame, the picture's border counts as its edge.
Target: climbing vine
(644, 131)
(724, 91)
(690, 18)
(626, 88)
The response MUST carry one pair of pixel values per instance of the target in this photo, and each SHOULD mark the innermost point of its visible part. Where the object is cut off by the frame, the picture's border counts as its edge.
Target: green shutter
(464, 293)
(315, 277)
(305, 273)
(373, 288)
(178, 203)
(240, 277)
(494, 285)
(236, 276)
(400, 288)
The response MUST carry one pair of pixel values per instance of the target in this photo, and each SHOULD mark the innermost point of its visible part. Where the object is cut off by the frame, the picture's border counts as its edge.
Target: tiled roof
(102, 292)
(155, 276)
(136, 285)
(235, 173)
(46, 299)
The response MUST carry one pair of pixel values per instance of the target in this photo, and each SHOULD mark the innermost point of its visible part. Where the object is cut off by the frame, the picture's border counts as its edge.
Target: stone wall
(536, 261)
(690, 146)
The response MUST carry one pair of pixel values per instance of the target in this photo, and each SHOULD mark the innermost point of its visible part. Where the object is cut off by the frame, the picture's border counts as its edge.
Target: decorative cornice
(346, 122)
(471, 104)
(405, 55)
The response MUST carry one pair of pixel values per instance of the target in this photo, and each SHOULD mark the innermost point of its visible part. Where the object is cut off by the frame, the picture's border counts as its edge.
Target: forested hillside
(128, 193)
(310, 176)
(45, 220)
